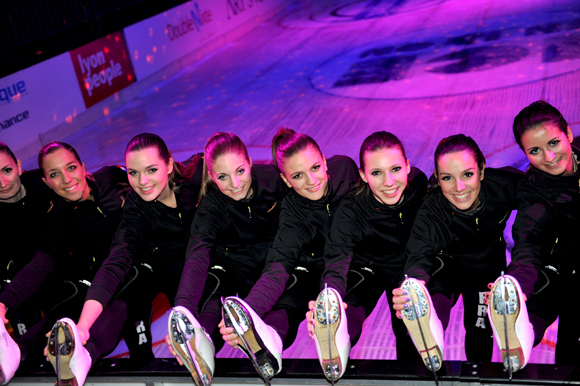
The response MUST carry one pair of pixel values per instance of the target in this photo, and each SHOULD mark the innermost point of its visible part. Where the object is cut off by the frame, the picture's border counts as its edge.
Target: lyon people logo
(453, 64)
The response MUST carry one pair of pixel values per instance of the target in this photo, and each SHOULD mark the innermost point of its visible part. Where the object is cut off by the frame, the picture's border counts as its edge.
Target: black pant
(129, 315)
(288, 312)
(66, 301)
(365, 287)
(30, 313)
(209, 313)
(446, 286)
(554, 298)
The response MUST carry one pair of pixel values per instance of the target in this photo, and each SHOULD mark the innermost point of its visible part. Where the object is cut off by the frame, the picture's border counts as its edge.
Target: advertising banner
(102, 68)
(162, 39)
(34, 100)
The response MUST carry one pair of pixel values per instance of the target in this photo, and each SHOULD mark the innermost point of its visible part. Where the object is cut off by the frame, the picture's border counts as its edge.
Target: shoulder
(503, 176)
(110, 175)
(342, 167)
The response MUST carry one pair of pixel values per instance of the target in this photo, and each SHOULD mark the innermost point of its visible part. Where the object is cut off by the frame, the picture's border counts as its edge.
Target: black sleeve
(343, 236)
(428, 235)
(207, 223)
(119, 263)
(28, 280)
(532, 233)
(282, 258)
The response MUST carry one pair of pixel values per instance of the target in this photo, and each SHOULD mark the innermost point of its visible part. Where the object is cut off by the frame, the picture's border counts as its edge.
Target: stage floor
(340, 70)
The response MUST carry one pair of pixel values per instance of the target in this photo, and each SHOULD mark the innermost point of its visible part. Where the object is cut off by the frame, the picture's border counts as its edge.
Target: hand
(228, 334)
(488, 294)
(83, 333)
(3, 313)
(310, 317)
(401, 300)
(171, 350)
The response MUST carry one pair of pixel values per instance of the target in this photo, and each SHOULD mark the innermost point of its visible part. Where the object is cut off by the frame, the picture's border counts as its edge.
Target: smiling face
(459, 178)
(386, 171)
(231, 172)
(65, 175)
(149, 174)
(305, 172)
(548, 149)
(10, 172)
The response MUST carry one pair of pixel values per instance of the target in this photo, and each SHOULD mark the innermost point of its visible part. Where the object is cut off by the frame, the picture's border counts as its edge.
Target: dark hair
(216, 146)
(456, 143)
(375, 142)
(149, 140)
(453, 144)
(287, 142)
(534, 116)
(51, 147)
(5, 149)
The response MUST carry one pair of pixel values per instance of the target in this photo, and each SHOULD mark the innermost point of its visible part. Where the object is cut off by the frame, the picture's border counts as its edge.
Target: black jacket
(233, 234)
(442, 233)
(78, 239)
(302, 234)
(150, 233)
(547, 228)
(23, 225)
(370, 233)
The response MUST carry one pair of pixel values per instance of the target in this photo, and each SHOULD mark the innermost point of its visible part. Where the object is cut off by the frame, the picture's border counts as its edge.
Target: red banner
(102, 67)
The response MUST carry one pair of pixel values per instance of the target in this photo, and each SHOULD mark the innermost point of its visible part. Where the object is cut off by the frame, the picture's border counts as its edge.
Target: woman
(295, 260)
(457, 246)
(153, 236)
(367, 241)
(84, 215)
(233, 228)
(546, 228)
(24, 205)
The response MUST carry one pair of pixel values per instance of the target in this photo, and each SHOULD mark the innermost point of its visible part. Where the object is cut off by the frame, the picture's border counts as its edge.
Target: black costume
(367, 244)
(544, 259)
(23, 226)
(295, 261)
(152, 237)
(77, 241)
(458, 252)
(232, 238)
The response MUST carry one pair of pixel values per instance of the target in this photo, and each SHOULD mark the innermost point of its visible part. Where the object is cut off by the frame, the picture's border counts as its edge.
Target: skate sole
(497, 315)
(250, 343)
(181, 343)
(66, 348)
(429, 347)
(323, 329)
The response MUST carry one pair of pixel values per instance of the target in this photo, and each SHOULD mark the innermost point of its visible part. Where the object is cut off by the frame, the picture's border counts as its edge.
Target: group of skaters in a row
(241, 250)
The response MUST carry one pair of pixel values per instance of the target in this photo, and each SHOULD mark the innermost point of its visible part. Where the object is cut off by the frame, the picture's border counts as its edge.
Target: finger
(490, 285)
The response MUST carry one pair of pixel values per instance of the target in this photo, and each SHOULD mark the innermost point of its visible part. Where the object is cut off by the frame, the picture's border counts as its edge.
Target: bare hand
(488, 294)
(3, 313)
(171, 350)
(228, 334)
(310, 317)
(401, 300)
(83, 334)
